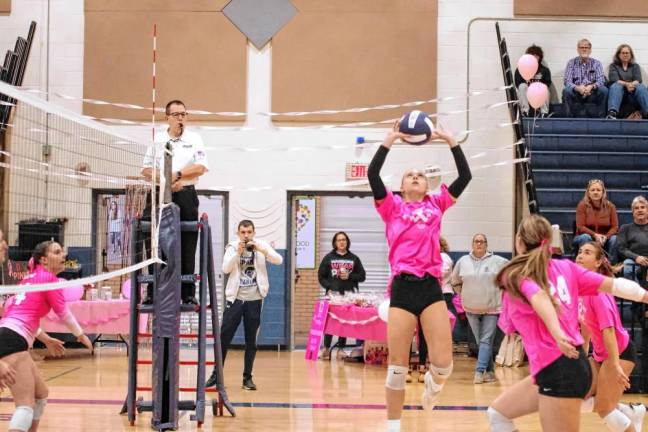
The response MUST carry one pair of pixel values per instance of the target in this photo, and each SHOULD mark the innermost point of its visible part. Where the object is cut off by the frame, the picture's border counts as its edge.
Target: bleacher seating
(567, 153)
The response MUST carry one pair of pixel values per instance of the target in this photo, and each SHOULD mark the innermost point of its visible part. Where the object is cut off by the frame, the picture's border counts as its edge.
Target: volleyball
(418, 125)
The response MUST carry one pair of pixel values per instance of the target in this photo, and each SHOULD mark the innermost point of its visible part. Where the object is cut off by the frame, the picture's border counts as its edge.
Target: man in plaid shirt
(584, 82)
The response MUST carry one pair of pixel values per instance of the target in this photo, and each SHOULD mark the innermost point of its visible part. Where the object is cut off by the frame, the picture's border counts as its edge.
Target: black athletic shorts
(628, 354)
(413, 293)
(565, 377)
(11, 342)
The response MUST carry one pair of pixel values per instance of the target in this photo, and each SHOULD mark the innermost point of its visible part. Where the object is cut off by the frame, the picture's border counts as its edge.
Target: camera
(249, 246)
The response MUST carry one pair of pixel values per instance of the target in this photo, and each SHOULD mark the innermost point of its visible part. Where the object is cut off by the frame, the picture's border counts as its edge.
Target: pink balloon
(527, 66)
(73, 293)
(537, 94)
(126, 288)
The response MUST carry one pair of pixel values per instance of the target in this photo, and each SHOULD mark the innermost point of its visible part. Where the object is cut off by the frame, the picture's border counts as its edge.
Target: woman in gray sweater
(624, 76)
(474, 278)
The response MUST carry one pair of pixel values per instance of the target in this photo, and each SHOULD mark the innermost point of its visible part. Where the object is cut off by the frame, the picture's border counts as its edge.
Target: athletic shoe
(479, 378)
(248, 384)
(430, 397)
(421, 375)
(637, 416)
(489, 376)
(190, 301)
(211, 382)
(325, 354)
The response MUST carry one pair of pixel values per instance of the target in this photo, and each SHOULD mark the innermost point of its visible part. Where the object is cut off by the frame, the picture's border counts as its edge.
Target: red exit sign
(356, 171)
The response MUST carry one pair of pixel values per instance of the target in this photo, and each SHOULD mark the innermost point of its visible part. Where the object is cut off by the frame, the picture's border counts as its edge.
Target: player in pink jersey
(20, 325)
(614, 353)
(413, 225)
(540, 301)
(7, 373)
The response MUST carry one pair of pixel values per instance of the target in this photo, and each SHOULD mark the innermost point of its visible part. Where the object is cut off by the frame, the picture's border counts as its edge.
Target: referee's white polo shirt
(188, 149)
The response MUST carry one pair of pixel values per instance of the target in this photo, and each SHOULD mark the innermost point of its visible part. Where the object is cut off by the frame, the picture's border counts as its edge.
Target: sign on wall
(356, 171)
(305, 247)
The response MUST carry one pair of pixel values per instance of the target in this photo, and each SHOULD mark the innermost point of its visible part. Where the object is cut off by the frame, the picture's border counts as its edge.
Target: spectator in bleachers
(543, 75)
(633, 242)
(584, 83)
(597, 220)
(624, 78)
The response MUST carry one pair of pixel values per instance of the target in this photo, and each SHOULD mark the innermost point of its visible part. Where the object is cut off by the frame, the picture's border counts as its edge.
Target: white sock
(625, 409)
(393, 425)
(498, 422)
(436, 387)
(616, 421)
(588, 405)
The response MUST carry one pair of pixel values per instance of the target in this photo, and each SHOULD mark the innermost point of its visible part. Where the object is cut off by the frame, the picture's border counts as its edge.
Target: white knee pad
(396, 376)
(22, 418)
(39, 407)
(499, 423)
(442, 372)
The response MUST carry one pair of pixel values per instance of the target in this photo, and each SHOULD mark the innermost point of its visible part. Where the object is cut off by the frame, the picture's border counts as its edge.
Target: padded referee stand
(166, 336)
(166, 310)
(166, 323)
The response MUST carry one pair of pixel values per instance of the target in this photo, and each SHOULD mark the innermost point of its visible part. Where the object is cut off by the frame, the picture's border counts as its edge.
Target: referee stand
(166, 310)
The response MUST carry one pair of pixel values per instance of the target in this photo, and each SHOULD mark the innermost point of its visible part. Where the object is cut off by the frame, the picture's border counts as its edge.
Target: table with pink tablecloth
(96, 317)
(359, 322)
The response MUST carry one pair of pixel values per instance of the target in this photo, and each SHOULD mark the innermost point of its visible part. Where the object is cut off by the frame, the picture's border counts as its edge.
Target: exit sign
(356, 171)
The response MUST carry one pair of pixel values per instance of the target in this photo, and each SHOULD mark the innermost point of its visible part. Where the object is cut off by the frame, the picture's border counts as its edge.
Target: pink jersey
(24, 311)
(601, 312)
(413, 231)
(568, 281)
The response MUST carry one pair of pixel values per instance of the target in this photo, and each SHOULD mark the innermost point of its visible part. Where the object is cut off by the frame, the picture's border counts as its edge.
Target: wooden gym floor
(87, 392)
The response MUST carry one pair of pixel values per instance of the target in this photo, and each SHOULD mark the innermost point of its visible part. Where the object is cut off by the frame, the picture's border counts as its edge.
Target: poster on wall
(116, 241)
(305, 247)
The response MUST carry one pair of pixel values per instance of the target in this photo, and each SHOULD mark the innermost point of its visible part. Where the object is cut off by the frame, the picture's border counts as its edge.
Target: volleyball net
(70, 179)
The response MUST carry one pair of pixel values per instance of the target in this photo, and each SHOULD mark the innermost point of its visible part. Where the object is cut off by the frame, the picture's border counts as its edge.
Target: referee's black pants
(187, 200)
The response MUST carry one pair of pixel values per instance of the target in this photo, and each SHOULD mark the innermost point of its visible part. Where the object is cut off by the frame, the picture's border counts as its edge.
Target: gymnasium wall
(490, 193)
(286, 160)
(577, 8)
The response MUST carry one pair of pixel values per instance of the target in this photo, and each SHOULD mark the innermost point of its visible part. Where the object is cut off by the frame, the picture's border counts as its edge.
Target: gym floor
(87, 392)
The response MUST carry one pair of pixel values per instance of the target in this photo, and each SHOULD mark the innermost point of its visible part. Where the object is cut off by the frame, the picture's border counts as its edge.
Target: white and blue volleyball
(418, 125)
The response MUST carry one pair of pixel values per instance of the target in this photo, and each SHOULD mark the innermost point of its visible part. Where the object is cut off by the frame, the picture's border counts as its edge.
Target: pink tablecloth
(359, 322)
(96, 317)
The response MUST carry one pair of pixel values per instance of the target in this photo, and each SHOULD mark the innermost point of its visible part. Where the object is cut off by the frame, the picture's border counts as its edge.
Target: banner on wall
(306, 228)
(116, 238)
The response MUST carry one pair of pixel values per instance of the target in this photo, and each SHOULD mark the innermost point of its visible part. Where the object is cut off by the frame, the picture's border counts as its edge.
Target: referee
(188, 164)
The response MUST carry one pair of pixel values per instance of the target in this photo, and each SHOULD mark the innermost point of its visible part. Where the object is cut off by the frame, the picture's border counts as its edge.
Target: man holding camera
(247, 286)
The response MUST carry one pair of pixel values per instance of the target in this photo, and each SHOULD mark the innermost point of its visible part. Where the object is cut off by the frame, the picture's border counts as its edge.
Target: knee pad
(441, 372)
(396, 376)
(499, 423)
(22, 418)
(39, 408)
